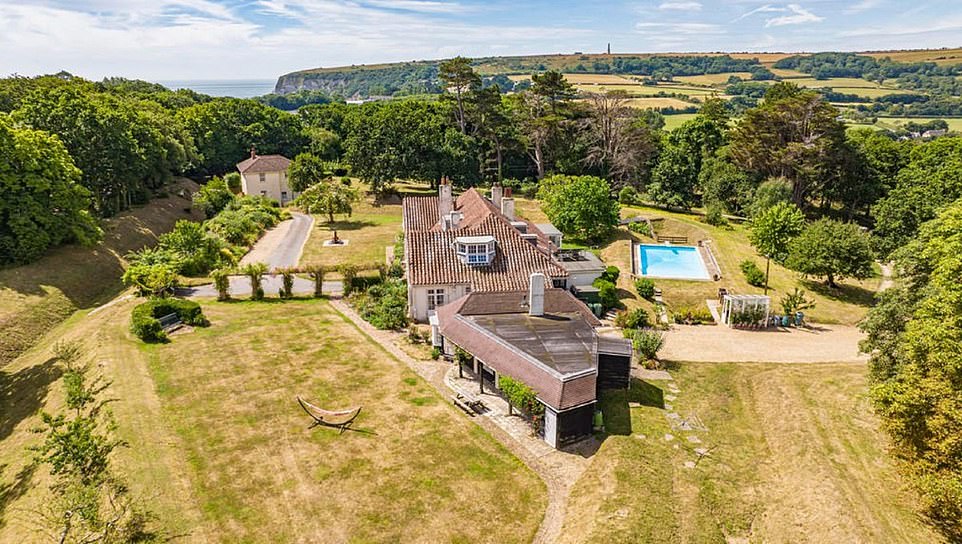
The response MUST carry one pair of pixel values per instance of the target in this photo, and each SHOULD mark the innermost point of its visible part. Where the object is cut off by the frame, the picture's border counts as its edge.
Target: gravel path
(281, 247)
(240, 286)
(720, 344)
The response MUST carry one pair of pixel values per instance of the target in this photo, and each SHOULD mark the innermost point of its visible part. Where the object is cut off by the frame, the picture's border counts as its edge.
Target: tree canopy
(832, 250)
(582, 206)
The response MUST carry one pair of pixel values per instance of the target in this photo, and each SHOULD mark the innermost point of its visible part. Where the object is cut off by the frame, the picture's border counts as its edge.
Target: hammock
(340, 419)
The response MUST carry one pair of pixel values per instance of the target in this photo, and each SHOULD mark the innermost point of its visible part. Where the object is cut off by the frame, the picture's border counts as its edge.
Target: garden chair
(339, 419)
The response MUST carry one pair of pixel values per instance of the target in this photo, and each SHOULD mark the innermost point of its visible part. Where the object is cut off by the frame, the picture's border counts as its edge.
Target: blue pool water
(674, 262)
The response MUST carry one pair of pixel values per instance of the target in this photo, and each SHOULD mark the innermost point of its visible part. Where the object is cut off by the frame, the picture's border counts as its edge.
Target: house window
(435, 298)
(262, 176)
(283, 196)
(476, 252)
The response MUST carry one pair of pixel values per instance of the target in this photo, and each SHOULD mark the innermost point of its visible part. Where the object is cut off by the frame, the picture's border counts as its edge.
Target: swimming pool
(672, 262)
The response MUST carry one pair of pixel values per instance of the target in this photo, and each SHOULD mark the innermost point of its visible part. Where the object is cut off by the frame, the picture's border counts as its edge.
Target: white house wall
(274, 186)
(418, 298)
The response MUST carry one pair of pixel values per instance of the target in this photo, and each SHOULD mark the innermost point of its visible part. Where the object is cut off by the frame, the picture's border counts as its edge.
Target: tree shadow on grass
(22, 393)
(614, 404)
(345, 225)
(847, 293)
(10, 492)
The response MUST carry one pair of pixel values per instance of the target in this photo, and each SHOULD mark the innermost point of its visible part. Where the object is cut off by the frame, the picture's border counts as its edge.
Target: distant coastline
(237, 88)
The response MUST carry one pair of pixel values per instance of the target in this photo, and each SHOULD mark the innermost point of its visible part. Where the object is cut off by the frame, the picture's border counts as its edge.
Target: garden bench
(462, 403)
(170, 322)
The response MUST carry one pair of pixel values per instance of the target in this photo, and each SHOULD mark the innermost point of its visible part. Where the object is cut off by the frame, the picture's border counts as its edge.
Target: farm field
(224, 453)
(938, 56)
(712, 79)
(676, 120)
(637, 89)
(793, 456)
(658, 103)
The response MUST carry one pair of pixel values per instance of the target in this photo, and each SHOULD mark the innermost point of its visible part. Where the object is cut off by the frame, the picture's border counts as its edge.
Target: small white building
(266, 175)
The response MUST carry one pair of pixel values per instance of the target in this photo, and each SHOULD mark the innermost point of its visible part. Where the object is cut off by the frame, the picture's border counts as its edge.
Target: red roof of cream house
(257, 164)
(556, 353)
(432, 258)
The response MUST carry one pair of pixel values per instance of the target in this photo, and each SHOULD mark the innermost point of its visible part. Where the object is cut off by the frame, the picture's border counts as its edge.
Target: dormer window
(475, 250)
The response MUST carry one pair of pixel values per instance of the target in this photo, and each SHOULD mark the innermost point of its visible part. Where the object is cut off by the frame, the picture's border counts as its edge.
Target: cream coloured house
(266, 175)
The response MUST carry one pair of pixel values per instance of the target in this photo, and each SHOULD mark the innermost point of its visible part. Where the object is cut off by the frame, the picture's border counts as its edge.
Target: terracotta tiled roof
(432, 258)
(264, 163)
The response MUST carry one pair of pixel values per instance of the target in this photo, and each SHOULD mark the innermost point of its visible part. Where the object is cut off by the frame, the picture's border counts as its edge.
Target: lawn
(369, 230)
(794, 455)
(222, 452)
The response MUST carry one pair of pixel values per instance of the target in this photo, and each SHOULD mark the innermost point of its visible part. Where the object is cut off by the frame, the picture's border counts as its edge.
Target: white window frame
(262, 177)
(436, 298)
(476, 253)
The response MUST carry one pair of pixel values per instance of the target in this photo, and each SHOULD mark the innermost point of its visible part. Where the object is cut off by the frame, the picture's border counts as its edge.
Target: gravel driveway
(720, 344)
(281, 246)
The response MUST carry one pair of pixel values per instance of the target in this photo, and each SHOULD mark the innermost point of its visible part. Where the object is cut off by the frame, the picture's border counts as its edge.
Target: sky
(262, 39)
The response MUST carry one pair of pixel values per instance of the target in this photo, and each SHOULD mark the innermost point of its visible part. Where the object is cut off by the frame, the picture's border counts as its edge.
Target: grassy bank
(788, 454)
(36, 297)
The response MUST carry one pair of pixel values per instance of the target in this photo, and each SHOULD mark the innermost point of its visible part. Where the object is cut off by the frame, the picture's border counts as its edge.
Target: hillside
(36, 297)
(421, 76)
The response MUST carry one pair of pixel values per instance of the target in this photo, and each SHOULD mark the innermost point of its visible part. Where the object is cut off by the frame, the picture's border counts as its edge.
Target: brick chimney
(253, 152)
(445, 198)
(536, 294)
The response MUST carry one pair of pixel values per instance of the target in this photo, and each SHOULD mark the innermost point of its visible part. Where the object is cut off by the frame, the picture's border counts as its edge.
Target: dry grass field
(592, 79)
(676, 120)
(788, 454)
(222, 451)
(658, 103)
(938, 56)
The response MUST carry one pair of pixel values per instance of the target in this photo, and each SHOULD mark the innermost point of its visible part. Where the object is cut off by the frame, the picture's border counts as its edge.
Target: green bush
(628, 195)
(640, 227)
(611, 273)
(633, 319)
(645, 288)
(151, 279)
(607, 294)
(384, 304)
(145, 317)
(693, 316)
(647, 343)
(753, 275)
(520, 395)
(715, 216)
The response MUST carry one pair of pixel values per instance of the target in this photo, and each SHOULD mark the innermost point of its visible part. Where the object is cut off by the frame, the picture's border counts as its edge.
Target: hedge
(144, 320)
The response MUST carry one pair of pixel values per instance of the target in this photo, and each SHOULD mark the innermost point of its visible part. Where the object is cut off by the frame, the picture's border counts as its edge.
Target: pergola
(746, 309)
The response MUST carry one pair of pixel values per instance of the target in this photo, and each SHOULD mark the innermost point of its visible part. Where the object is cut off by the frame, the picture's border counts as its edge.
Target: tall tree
(580, 205)
(832, 250)
(675, 178)
(619, 143)
(329, 198)
(42, 203)
(796, 136)
(553, 86)
(458, 76)
(306, 170)
(772, 231)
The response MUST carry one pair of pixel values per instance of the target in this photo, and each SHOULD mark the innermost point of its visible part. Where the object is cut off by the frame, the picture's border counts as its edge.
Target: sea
(236, 88)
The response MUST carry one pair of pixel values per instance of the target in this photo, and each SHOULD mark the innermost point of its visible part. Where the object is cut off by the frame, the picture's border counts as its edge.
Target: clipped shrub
(287, 283)
(348, 275)
(255, 271)
(151, 279)
(145, 318)
(645, 288)
(648, 343)
(753, 275)
(628, 195)
(221, 278)
(611, 273)
(316, 272)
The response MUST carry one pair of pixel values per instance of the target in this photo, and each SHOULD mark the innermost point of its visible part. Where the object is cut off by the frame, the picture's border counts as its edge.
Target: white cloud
(680, 6)
(864, 5)
(799, 15)
(680, 28)
(946, 24)
(768, 8)
(420, 6)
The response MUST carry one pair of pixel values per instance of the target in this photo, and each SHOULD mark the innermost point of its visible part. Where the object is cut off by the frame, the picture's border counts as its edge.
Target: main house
(545, 338)
(266, 175)
(453, 247)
